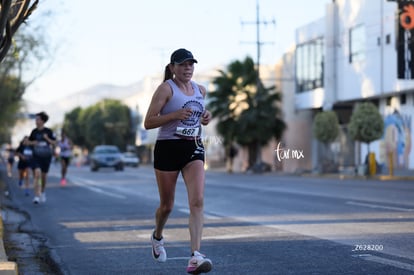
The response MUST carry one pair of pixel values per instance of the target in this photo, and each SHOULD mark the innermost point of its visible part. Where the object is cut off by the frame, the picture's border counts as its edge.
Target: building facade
(359, 51)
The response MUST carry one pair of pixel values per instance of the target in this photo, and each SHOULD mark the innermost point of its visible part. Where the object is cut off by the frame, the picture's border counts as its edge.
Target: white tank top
(64, 146)
(189, 128)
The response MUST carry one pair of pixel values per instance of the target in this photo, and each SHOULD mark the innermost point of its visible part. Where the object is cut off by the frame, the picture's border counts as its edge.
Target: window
(403, 99)
(388, 38)
(309, 65)
(357, 44)
(300, 74)
(388, 101)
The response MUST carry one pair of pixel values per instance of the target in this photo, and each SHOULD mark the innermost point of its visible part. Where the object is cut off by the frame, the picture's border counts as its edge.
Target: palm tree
(223, 102)
(247, 112)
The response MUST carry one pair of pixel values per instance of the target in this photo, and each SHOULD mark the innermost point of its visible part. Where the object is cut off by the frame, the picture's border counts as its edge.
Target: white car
(130, 159)
(106, 156)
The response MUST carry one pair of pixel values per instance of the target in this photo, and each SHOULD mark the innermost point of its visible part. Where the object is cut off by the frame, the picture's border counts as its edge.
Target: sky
(120, 42)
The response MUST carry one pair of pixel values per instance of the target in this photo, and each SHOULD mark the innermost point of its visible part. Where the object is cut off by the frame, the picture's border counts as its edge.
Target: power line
(258, 42)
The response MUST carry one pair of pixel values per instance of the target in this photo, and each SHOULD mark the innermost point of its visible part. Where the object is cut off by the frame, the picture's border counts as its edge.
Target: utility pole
(258, 42)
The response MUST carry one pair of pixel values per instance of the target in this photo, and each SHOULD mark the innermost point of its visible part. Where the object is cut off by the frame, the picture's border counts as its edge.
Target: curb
(357, 177)
(340, 176)
(6, 267)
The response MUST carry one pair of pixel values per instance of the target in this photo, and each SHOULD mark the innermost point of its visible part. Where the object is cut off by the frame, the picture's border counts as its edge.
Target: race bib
(187, 132)
(27, 152)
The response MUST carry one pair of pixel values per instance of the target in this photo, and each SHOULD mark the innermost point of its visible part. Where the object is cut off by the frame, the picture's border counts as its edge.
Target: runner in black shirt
(43, 139)
(25, 154)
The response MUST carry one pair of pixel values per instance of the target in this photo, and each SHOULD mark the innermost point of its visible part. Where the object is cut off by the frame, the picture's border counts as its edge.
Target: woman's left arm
(206, 116)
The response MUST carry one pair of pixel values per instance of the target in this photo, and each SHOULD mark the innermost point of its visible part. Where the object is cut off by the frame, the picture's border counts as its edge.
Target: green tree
(247, 112)
(107, 122)
(326, 130)
(11, 92)
(23, 63)
(223, 101)
(12, 86)
(92, 126)
(366, 124)
(261, 122)
(72, 126)
(117, 123)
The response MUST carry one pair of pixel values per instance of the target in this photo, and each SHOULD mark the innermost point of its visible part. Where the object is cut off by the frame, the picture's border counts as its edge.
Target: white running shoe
(199, 264)
(43, 197)
(36, 200)
(158, 251)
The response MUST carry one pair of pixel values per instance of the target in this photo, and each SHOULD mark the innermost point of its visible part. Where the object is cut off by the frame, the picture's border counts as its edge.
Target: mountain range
(84, 98)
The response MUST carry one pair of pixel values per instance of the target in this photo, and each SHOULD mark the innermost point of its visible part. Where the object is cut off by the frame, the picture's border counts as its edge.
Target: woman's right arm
(153, 119)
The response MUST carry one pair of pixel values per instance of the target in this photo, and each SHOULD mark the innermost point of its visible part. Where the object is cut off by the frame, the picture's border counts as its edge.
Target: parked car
(130, 159)
(106, 156)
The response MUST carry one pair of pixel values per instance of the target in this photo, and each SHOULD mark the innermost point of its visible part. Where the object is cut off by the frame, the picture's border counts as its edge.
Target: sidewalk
(6, 267)
(398, 174)
(401, 177)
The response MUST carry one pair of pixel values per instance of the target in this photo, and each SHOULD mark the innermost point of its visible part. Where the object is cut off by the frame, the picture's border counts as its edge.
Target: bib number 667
(188, 132)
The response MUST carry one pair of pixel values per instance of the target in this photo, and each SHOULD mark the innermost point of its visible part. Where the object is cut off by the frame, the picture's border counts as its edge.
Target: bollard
(372, 165)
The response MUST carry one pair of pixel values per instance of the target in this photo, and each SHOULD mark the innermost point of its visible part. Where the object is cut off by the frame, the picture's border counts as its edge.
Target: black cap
(181, 55)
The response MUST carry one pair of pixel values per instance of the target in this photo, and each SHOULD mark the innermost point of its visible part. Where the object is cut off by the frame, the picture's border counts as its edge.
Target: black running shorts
(66, 160)
(174, 154)
(42, 163)
(24, 164)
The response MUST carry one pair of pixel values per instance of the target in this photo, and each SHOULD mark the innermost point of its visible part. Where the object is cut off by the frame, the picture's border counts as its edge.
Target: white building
(359, 51)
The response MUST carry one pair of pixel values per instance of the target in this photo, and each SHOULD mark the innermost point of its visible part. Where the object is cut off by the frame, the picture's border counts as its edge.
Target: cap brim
(187, 59)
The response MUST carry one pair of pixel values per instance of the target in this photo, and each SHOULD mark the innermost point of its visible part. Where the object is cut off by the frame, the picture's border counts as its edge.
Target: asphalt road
(100, 223)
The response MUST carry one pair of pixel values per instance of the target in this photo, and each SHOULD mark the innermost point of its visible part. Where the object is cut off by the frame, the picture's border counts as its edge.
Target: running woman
(177, 109)
(65, 146)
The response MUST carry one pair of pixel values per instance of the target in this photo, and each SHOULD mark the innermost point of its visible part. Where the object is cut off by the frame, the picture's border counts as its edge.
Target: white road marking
(91, 185)
(232, 236)
(386, 261)
(371, 205)
(206, 216)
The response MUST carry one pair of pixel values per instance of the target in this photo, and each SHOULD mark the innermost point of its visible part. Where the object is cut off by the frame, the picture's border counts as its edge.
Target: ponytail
(167, 73)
